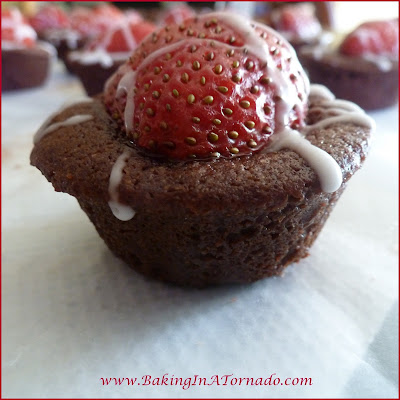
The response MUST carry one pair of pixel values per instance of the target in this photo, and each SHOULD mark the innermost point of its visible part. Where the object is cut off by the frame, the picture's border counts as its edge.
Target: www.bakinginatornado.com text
(197, 380)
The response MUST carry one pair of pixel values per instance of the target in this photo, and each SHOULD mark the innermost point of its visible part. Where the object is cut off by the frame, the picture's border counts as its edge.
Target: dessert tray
(74, 315)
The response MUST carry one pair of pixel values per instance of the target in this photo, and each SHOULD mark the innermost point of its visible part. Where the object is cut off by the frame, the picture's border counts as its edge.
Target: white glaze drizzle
(9, 45)
(327, 169)
(257, 46)
(321, 91)
(75, 119)
(344, 105)
(346, 117)
(125, 28)
(127, 85)
(130, 39)
(383, 62)
(122, 70)
(100, 56)
(72, 37)
(348, 112)
(338, 107)
(120, 211)
(47, 47)
(45, 125)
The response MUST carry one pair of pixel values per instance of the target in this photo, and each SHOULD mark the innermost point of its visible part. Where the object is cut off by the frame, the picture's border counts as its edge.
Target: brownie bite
(363, 68)
(25, 61)
(202, 164)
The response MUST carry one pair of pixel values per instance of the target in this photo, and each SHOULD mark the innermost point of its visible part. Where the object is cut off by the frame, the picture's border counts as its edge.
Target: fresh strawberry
(50, 17)
(94, 22)
(106, 15)
(203, 89)
(122, 37)
(15, 29)
(296, 21)
(176, 15)
(141, 30)
(375, 37)
(12, 15)
(81, 20)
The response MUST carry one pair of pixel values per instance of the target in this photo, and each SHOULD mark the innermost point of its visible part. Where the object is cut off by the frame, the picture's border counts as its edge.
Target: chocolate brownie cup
(93, 69)
(232, 217)
(25, 61)
(370, 76)
(65, 41)
(24, 68)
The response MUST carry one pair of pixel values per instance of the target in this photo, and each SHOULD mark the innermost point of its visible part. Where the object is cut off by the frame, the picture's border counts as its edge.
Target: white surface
(73, 313)
(349, 14)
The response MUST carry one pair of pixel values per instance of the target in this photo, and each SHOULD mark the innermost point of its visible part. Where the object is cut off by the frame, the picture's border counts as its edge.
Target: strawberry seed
(190, 140)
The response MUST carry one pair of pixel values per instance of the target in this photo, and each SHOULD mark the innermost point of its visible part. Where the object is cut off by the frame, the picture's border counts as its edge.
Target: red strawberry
(203, 89)
(12, 15)
(375, 37)
(15, 29)
(50, 17)
(106, 15)
(80, 18)
(108, 11)
(123, 37)
(176, 15)
(297, 20)
(93, 22)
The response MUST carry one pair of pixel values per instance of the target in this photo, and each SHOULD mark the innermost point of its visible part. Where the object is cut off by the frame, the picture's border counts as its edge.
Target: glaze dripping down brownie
(208, 159)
